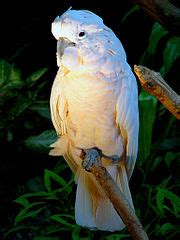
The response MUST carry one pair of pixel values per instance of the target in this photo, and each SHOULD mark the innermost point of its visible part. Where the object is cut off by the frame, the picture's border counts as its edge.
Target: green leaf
(166, 228)
(160, 201)
(170, 156)
(41, 142)
(76, 232)
(27, 212)
(34, 93)
(9, 75)
(54, 229)
(9, 136)
(15, 76)
(49, 176)
(163, 194)
(4, 71)
(60, 166)
(130, 12)
(170, 54)
(67, 216)
(36, 75)
(19, 106)
(117, 236)
(175, 201)
(17, 229)
(165, 182)
(156, 163)
(58, 218)
(10, 80)
(42, 108)
(156, 34)
(162, 138)
(147, 109)
(149, 197)
(23, 200)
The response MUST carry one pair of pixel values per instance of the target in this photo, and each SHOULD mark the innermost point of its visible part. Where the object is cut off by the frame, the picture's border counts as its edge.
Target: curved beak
(63, 43)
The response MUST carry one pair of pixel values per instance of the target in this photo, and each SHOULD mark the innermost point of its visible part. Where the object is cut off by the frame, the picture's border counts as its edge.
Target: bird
(94, 107)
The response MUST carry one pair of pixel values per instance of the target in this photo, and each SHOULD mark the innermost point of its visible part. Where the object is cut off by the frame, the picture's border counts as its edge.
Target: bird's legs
(90, 157)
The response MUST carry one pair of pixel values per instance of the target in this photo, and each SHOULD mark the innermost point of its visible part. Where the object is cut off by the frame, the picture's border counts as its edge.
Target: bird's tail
(93, 209)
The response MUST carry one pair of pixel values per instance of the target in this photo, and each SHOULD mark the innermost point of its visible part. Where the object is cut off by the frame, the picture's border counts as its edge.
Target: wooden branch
(153, 83)
(163, 11)
(117, 198)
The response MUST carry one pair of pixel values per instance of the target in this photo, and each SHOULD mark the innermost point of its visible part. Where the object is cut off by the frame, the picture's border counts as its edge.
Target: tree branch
(153, 83)
(163, 11)
(116, 197)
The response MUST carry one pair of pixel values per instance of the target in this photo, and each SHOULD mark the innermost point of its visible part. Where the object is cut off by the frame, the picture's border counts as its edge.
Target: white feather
(94, 103)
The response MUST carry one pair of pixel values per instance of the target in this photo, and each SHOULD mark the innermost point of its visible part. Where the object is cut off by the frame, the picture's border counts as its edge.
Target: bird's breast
(90, 97)
(91, 111)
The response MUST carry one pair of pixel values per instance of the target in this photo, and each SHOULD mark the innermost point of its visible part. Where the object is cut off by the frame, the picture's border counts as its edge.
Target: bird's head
(83, 41)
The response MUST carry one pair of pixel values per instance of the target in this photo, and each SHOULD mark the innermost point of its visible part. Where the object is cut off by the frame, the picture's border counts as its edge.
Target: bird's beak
(62, 44)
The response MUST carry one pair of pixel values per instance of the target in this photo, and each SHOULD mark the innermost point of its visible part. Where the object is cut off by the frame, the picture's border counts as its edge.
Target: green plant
(19, 97)
(158, 147)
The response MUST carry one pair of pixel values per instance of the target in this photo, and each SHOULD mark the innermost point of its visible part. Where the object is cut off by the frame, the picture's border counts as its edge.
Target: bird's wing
(59, 110)
(58, 106)
(127, 117)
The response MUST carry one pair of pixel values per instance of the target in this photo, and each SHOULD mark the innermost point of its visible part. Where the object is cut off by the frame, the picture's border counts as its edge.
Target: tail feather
(83, 204)
(93, 209)
(107, 218)
(62, 147)
(123, 183)
(59, 147)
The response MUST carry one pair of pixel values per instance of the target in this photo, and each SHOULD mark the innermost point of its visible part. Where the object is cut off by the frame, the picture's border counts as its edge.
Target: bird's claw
(90, 157)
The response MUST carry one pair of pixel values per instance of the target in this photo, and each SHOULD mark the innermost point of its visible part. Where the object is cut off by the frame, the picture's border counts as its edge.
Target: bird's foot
(90, 157)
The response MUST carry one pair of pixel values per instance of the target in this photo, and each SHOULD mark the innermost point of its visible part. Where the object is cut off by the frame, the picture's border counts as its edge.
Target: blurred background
(37, 192)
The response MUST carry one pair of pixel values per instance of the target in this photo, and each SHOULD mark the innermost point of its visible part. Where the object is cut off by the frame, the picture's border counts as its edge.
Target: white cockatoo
(94, 105)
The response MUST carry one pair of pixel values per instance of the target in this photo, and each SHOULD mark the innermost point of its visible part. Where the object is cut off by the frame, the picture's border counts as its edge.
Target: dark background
(27, 28)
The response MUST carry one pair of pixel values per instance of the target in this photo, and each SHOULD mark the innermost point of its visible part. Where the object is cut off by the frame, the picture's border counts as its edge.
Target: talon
(84, 165)
(90, 157)
(83, 154)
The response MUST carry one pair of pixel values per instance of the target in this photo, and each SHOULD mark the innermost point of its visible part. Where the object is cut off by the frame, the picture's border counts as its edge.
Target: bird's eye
(82, 35)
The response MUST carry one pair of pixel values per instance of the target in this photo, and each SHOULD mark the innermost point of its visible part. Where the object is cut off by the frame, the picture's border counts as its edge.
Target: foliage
(18, 96)
(45, 208)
